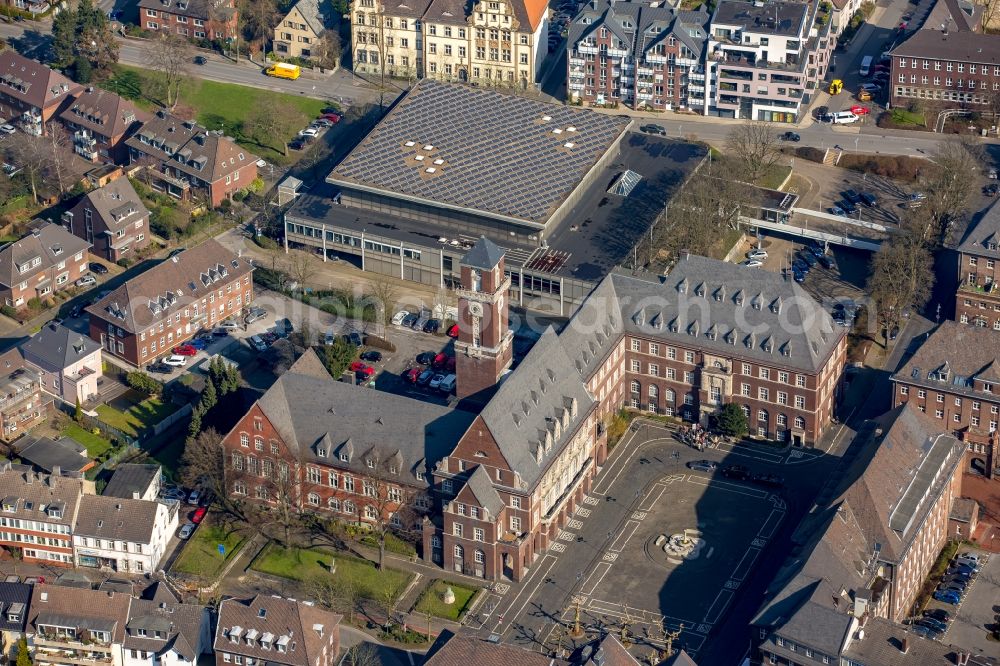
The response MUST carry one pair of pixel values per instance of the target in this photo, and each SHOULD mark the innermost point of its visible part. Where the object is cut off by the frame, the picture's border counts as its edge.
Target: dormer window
(321, 452)
(344, 457)
(371, 463)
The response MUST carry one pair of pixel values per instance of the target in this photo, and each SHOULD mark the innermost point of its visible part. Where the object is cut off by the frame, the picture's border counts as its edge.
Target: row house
(325, 447)
(162, 632)
(272, 631)
(23, 404)
(69, 626)
(192, 19)
(112, 219)
(977, 301)
(70, 362)
(954, 378)
(148, 315)
(180, 157)
(767, 59)
(637, 55)
(711, 334)
(867, 562)
(123, 534)
(955, 69)
(490, 42)
(14, 600)
(46, 260)
(99, 121)
(31, 94)
(37, 512)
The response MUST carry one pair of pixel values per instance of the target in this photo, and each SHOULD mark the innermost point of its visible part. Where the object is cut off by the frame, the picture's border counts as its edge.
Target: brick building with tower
(977, 301)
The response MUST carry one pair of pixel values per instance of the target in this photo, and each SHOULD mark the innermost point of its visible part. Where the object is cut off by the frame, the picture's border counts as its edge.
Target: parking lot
(977, 610)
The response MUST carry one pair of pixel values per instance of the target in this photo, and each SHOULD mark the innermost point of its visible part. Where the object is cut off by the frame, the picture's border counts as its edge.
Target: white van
(843, 118)
(866, 66)
(447, 385)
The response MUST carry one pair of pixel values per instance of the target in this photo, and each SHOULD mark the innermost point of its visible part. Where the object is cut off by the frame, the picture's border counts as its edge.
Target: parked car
(354, 338)
(334, 118)
(199, 515)
(757, 253)
(186, 530)
(421, 321)
(453, 331)
(329, 338)
(925, 632)
(653, 129)
(939, 614)
(436, 381)
(425, 358)
(255, 314)
(826, 261)
(100, 269)
(702, 465)
(309, 131)
(836, 210)
(176, 361)
(409, 320)
(257, 343)
(372, 356)
(398, 318)
(772, 480)
(448, 385)
(968, 562)
(159, 368)
(991, 189)
(7, 129)
(798, 276)
(869, 199)
(86, 281)
(432, 326)
(849, 207)
(194, 497)
(12, 579)
(959, 569)
(852, 196)
(859, 110)
(738, 472)
(791, 136)
(357, 365)
(948, 597)
(933, 623)
(970, 556)
(440, 360)
(321, 122)
(425, 377)
(285, 326)
(808, 257)
(959, 577)
(298, 143)
(412, 375)
(185, 350)
(952, 587)
(752, 263)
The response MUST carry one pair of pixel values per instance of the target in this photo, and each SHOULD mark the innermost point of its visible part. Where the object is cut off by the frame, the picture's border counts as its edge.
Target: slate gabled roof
(31, 82)
(484, 254)
(298, 621)
(10, 595)
(481, 486)
(983, 233)
(50, 242)
(970, 352)
(316, 17)
(179, 626)
(103, 112)
(117, 518)
(117, 204)
(56, 347)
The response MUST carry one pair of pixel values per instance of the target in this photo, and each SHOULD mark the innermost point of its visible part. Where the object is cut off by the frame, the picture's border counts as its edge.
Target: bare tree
(383, 293)
(384, 502)
(32, 155)
(338, 593)
(949, 187)
(171, 56)
(203, 464)
(327, 51)
(754, 145)
(901, 278)
(267, 124)
(60, 157)
(259, 18)
(302, 265)
(362, 654)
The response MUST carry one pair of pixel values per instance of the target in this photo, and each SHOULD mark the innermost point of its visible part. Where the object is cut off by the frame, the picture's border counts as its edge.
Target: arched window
(459, 552)
(480, 557)
(348, 506)
(800, 422)
(653, 391)
(636, 387)
(240, 488)
(333, 504)
(762, 415)
(668, 395)
(313, 499)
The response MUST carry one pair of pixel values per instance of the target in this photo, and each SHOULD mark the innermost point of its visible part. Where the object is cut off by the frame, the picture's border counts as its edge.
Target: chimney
(56, 471)
(904, 645)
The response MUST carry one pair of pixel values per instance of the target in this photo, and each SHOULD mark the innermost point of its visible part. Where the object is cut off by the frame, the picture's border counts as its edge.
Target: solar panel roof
(479, 149)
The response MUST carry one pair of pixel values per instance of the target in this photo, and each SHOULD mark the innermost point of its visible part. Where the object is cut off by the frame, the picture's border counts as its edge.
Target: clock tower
(483, 348)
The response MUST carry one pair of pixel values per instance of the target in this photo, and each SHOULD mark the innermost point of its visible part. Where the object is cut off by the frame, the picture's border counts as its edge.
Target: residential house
(387, 37)
(54, 456)
(70, 626)
(22, 403)
(14, 600)
(871, 550)
(273, 631)
(122, 534)
(330, 447)
(135, 481)
(954, 378)
(946, 67)
(768, 58)
(209, 20)
(457, 649)
(166, 633)
(977, 301)
(181, 156)
(639, 56)
(70, 362)
(100, 121)
(47, 259)
(112, 219)
(37, 513)
(840, 15)
(149, 314)
(300, 31)
(31, 94)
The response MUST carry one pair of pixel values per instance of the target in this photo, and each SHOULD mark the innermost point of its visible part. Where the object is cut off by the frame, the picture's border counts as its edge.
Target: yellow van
(283, 70)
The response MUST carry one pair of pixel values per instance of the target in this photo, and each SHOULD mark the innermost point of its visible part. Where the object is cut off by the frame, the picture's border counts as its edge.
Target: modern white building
(121, 534)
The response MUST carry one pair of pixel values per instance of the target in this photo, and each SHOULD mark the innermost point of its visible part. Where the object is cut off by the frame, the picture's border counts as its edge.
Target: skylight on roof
(409, 144)
(557, 131)
(568, 144)
(546, 118)
(428, 147)
(625, 183)
(419, 158)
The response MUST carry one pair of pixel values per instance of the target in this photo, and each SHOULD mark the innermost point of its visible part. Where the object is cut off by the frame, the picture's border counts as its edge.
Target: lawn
(775, 176)
(96, 445)
(904, 117)
(217, 105)
(138, 417)
(201, 557)
(304, 564)
(431, 600)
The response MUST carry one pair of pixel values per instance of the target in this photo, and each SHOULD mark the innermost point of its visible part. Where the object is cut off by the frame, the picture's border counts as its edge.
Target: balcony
(985, 289)
(627, 80)
(645, 71)
(585, 48)
(67, 643)
(644, 97)
(657, 59)
(735, 74)
(617, 53)
(575, 86)
(577, 62)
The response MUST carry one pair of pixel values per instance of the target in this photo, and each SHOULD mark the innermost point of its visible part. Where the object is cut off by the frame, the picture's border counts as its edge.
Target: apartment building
(148, 315)
(37, 513)
(955, 69)
(70, 626)
(977, 301)
(99, 122)
(166, 633)
(193, 19)
(32, 94)
(70, 363)
(868, 560)
(112, 219)
(639, 56)
(22, 403)
(122, 534)
(184, 159)
(327, 447)
(768, 58)
(490, 42)
(48, 259)
(271, 630)
(954, 378)
(300, 31)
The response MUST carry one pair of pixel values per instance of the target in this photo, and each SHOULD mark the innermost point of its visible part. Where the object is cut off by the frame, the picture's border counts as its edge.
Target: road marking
(604, 485)
(574, 524)
(558, 547)
(652, 496)
(619, 543)
(722, 600)
(748, 559)
(582, 513)
(766, 530)
(592, 501)
(566, 536)
(724, 485)
(600, 570)
(541, 580)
